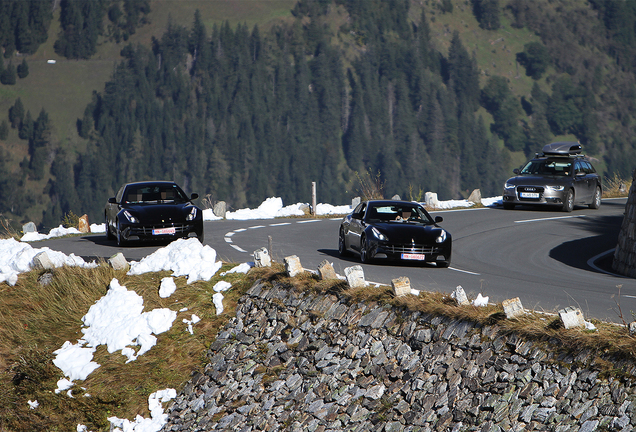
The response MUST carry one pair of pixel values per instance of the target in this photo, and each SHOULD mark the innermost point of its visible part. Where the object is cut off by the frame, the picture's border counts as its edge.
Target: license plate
(413, 256)
(161, 231)
(529, 194)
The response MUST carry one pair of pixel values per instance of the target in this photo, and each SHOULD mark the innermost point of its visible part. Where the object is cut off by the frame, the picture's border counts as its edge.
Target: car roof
(562, 148)
(392, 202)
(147, 183)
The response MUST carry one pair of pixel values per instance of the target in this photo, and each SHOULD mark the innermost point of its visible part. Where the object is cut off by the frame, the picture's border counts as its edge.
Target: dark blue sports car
(397, 230)
(154, 210)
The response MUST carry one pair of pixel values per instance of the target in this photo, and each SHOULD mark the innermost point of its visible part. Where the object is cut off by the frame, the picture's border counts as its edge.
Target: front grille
(412, 248)
(530, 189)
(179, 229)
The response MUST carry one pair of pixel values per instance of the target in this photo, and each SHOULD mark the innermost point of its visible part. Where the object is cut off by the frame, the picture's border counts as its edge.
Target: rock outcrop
(625, 253)
(292, 361)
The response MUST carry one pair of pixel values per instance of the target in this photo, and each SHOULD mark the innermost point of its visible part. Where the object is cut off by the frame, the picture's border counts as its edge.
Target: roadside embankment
(302, 361)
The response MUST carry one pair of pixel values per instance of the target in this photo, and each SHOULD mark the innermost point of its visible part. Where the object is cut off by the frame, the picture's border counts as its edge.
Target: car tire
(201, 238)
(568, 204)
(596, 199)
(508, 206)
(342, 246)
(364, 252)
(443, 264)
(109, 234)
(120, 239)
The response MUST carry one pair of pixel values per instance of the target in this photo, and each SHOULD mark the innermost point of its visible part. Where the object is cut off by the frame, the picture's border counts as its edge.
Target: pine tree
(8, 76)
(16, 114)
(23, 69)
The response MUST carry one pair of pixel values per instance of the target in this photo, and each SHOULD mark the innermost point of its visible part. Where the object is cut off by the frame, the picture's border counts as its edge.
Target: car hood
(534, 180)
(408, 232)
(160, 213)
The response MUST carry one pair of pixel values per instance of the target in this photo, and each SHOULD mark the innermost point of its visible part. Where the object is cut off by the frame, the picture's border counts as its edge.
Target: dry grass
(616, 187)
(36, 320)
(7, 228)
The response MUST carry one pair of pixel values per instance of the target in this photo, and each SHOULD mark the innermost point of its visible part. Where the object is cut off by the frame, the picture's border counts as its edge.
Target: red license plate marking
(162, 231)
(413, 256)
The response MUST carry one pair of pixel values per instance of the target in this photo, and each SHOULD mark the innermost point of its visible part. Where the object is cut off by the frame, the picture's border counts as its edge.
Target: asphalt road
(548, 259)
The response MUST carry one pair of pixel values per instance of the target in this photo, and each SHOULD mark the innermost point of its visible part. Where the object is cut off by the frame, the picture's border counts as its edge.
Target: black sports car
(398, 230)
(154, 210)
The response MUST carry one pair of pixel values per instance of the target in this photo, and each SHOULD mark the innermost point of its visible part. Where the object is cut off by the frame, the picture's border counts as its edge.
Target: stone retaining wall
(625, 253)
(304, 362)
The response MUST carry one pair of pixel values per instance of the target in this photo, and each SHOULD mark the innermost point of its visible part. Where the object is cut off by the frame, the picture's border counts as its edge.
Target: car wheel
(596, 201)
(342, 246)
(109, 234)
(201, 238)
(568, 205)
(508, 206)
(364, 253)
(120, 238)
(443, 264)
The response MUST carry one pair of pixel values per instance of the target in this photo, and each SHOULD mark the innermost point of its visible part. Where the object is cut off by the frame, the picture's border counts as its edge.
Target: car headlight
(441, 238)
(378, 234)
(509, 186)
(192, 215)
(130, 217)
(555, 188)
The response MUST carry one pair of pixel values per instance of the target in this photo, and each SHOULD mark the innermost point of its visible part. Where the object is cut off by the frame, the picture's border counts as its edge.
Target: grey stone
(513, 308)
(220, 209)
(29, 227)
(42, 261)
(118, 262)
(326, 271)
(262, 258)
(475, 196)
(292, 266)
(355, 276)
(401, 286)
(572, 317)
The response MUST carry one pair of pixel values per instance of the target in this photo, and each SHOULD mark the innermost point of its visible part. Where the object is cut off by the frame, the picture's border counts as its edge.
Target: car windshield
(553, 167)
(154, 194)
(398, 213)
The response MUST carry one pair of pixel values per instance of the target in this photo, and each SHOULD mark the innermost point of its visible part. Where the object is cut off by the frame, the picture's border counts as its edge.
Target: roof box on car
(563, 148)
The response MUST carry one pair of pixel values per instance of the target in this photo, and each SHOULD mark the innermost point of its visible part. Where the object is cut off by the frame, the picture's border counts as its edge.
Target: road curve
(544, 257)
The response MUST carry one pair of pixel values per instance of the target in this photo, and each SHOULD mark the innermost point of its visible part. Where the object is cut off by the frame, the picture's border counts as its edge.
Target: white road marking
(240, 230)
(550, 218)
(238, 248)
(230, 234)
(280, 224)
(464, 271)
(257, 226)
(309, 221)
(228, 240)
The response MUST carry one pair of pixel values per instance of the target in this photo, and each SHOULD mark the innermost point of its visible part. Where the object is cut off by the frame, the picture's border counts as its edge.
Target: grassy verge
(36, 320)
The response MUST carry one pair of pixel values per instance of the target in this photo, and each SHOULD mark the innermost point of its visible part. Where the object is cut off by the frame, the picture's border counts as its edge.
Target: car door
(583, 190)
(356, 227)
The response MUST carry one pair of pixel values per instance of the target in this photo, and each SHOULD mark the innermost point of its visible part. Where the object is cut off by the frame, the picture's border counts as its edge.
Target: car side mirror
(439, 219)
(356, 216)
(516, 171)
(112, 200)
(194, 196)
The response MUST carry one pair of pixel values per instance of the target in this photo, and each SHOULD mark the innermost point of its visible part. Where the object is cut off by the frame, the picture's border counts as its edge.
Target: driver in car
(403, 215)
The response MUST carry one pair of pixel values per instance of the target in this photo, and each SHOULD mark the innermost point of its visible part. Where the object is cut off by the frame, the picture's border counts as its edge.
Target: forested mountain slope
(443, 96)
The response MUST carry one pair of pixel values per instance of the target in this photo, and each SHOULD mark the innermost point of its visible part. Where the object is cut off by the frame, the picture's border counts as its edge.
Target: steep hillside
(440, 90)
